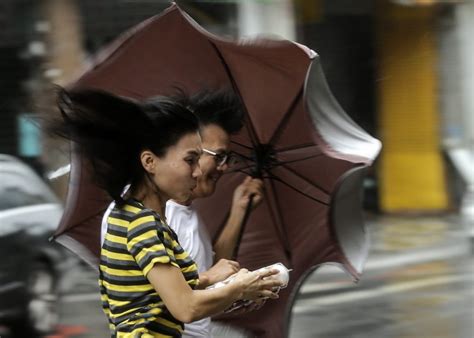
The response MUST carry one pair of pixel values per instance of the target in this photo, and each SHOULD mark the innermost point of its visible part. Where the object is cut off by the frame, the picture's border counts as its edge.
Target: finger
(234, 264)
(255, 305)
(259, 303)
(271, 283)
(253, 191)
(268, 272)
(268, 294)
(258, 180)
(256, 185)
(221, 261)
(251, 307)
(257, 199)
(243, 270)
(240, 311)
(247, 180)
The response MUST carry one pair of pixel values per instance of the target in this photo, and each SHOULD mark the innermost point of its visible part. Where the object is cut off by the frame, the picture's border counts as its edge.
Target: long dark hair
(221, 107)
(111, 132)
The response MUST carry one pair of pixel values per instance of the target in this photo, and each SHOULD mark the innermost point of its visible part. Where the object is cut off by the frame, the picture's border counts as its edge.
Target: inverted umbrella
(309, 153)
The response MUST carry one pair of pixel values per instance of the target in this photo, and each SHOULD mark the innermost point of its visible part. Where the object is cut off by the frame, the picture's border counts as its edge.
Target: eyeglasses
(220, 158)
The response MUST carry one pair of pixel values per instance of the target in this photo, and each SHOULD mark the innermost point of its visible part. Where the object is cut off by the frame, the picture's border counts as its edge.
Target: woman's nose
(197, 171)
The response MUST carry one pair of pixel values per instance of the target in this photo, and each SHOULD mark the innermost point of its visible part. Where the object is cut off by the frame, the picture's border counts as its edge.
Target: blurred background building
(402, 69)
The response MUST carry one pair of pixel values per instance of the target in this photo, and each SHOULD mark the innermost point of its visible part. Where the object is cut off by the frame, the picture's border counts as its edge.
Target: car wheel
(41, 307)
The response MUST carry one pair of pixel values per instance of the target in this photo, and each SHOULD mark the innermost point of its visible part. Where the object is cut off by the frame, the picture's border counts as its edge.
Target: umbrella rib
(247, 166)
(283, 164)
(248, 124)
(237, 170)
(297, 160)
(297, 147)
(243, 156)
(277, 133)
(79, 223)
(276, 178)
(305, 179)
(241, 145)
(277, 220)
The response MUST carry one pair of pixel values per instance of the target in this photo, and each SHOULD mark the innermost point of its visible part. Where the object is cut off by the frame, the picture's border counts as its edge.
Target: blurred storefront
(401, 69)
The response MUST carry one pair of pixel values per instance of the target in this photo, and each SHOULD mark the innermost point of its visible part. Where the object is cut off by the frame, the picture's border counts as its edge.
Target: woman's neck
(150, 199)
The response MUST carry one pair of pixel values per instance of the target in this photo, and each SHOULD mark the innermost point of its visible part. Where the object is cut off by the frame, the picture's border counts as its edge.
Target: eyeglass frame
(225, 156)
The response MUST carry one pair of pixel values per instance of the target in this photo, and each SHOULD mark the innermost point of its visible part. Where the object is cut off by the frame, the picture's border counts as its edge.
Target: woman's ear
(148, 160)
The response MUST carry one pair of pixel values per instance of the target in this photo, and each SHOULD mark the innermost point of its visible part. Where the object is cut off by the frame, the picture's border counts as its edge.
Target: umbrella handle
(242, 227)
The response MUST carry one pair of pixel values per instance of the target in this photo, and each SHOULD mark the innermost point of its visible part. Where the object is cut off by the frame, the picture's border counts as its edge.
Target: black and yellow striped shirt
(137, 239)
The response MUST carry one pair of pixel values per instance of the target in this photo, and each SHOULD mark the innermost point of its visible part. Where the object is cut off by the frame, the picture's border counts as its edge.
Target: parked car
(30, 265)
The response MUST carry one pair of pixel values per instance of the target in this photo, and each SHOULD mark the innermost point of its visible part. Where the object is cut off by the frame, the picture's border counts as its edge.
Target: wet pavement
(418, 282)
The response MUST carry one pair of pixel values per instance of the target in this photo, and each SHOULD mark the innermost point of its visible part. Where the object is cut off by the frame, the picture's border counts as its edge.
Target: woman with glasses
(148, 282)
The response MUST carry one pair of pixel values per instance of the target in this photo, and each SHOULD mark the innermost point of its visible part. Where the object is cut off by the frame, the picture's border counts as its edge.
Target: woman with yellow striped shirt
(149, 285)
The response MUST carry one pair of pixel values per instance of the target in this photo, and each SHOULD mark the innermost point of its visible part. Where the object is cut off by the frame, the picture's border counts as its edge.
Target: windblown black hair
(222, 108)
(112, 131)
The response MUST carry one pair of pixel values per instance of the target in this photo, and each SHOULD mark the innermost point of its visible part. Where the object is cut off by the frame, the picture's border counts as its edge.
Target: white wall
(275, 17)
(465, 17)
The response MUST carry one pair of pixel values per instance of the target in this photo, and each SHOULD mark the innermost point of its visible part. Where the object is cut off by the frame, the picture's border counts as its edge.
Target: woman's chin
(183, 198)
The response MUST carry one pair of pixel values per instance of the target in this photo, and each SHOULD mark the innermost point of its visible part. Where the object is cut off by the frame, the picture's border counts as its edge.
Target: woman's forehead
(189, 144)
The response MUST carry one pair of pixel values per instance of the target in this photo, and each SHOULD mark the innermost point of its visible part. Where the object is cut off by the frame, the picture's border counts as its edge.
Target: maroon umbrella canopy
(309, 153)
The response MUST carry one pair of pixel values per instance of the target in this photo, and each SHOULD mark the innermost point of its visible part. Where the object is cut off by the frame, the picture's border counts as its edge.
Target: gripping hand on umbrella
(247, 196)
(243, 193)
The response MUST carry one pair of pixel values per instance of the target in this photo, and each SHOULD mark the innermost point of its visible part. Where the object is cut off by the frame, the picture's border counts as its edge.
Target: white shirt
(194, 238)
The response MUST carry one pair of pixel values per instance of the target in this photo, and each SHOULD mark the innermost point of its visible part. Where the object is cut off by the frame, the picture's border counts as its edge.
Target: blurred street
(396, 73)
(418, 282)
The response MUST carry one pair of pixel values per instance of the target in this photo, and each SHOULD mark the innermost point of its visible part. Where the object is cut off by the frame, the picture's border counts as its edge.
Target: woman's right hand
(257, 284)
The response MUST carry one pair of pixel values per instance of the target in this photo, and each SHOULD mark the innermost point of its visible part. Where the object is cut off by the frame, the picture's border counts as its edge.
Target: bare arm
(227, 240)
(218, 272)
(146, 239)
(188, 305)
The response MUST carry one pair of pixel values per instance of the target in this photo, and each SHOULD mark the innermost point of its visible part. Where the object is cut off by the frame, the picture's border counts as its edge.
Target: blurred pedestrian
(147, 281)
